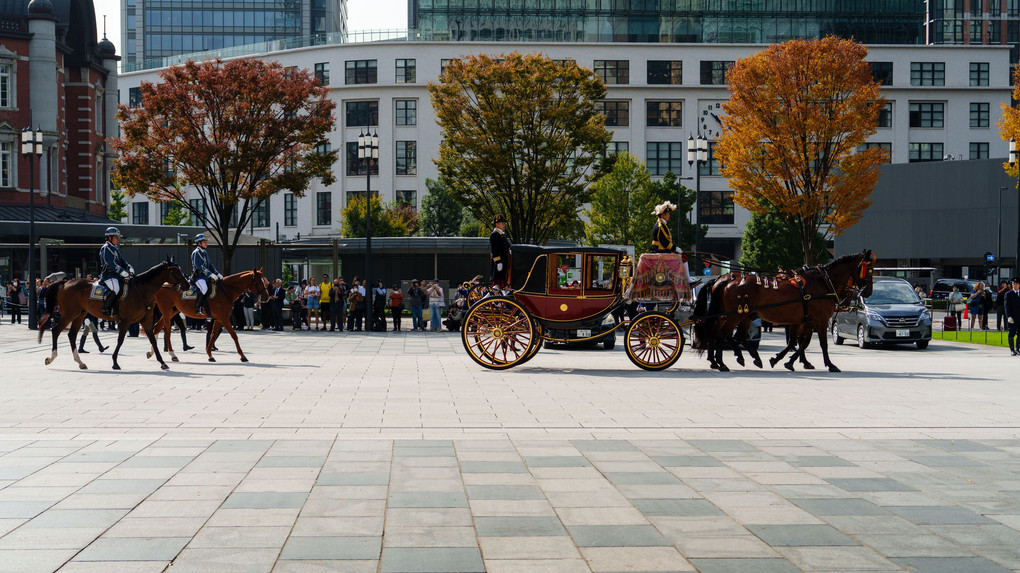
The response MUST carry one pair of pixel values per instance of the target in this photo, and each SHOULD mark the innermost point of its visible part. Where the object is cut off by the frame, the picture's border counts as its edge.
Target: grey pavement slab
(317, 548)
(133, 549)
(757, 565)
(677, 507)
(839, 506)
(940, 515)
(431, 560)
(949, 565)
(800, 535)
(522, 526)
(617, 536)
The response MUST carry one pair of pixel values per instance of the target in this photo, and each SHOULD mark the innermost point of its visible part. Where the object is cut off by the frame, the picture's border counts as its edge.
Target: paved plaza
(396, 453)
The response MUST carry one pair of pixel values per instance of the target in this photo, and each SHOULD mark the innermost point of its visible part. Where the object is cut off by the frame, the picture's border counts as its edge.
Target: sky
(361, 15)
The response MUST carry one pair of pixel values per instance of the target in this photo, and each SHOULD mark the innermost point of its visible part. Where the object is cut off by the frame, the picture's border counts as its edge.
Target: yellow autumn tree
(1009, 125)
(797, 114)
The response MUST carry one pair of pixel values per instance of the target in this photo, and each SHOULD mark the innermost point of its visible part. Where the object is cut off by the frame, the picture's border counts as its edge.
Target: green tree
(234, 133)
(522, 136)
(388, 220)
(118, 206)
(176, 214)
(621, 206)
(472, 227)
(771, 241)
(441, 214)
(671, 189)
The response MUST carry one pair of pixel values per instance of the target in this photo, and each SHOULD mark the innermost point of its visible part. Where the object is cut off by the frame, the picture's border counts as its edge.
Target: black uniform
(499, 252)
(1012, 308)
(662, 238)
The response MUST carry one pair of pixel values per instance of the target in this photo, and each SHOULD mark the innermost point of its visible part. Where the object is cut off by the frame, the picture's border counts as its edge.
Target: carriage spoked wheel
(654, 341)
(498, 333)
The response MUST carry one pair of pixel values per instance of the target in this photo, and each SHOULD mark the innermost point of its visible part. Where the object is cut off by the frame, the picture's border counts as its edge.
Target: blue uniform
(201, 265)
(113, 262)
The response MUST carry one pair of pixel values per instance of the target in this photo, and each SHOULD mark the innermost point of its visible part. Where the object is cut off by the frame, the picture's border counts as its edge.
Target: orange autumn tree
(1009, 125)
(234, 133)
(797, 114)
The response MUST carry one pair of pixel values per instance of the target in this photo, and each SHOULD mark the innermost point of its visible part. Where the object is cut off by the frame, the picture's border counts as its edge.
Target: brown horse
(72, 297)
(228, 290)
(804, 299)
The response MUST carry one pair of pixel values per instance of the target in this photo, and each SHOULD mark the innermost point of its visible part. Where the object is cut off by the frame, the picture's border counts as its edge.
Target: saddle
(99, 290)
(192, 293)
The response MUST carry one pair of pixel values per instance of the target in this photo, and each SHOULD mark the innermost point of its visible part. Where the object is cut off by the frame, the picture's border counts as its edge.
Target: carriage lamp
(1014, 158)
(31, 147)
(368, 150)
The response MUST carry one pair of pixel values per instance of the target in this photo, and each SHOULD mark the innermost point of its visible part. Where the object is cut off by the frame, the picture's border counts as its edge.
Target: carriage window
(601, 272)
(568, 271)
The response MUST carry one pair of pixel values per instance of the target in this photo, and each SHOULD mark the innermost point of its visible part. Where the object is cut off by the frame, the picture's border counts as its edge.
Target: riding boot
(109, 303)
(81, 344)
(199, 302)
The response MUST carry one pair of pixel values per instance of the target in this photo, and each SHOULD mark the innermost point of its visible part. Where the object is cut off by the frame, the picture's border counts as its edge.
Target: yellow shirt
(324, 291)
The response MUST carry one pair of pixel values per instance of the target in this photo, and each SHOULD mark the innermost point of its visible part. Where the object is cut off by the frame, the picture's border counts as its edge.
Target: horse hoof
(758, 363)
(48, 361)
(163, 366)
(834, 369)
(148, 355)
(723, 368)
(116, 367)
(211, 359)
(740, 361)
(174, 359)
(808, 366)
(83, 367)
(789, 367)
(244, 359)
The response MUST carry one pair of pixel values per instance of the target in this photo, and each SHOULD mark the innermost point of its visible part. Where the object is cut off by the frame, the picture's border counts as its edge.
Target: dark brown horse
(170, 302)
(803, 299)
(73, 298)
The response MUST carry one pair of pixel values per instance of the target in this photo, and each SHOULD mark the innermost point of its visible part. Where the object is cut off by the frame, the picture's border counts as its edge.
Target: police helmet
(113, 232)
(200, 237)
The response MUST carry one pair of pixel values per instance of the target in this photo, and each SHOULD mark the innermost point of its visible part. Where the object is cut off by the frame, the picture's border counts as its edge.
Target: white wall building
(944, 102)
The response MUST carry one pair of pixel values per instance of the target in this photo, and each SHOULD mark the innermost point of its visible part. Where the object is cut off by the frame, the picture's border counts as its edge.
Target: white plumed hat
(662, 207)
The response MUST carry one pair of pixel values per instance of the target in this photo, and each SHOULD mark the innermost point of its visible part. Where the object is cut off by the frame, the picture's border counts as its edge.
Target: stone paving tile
(22, 560)
(23, 509)
(677, 507)
(427, 499)
(493, 467)
(430, 537)
(47, 538)
(114, 567)
(845, 506)
(133, 549)
(687, 461)
(354, 478)
(940, 515)
(636, 559)
(215, 537)
(949, 565)
(536, 566)
(921, 545)
(332, 548)
(371, 526)
(528, 548)
(226, 560)
(800, 535)
(731, 547)
(518, 526)
(431, 560)
(756, 565)
(869, 484)
(504, 492)
(616, 536)
(836, 559)
(88, 518)
(326, 566)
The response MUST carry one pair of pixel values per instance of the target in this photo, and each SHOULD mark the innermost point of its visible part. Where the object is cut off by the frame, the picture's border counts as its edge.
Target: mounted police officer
(203, 271)
(499, 252)
(114, 270)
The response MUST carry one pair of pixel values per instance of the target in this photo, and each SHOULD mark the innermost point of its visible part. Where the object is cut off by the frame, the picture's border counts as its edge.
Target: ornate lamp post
(697, 152)
(368, 149)
(31, 148)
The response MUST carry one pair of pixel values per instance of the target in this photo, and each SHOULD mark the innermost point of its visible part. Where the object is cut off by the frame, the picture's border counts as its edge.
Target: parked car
(893, 314)
(943, 287)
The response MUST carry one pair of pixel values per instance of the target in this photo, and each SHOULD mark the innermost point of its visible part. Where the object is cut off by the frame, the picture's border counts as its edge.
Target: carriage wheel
(498, 334)
(536, 345)
(654, 341)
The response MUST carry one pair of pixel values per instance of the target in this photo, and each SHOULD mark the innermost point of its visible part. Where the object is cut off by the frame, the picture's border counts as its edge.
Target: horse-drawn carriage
(581, 294)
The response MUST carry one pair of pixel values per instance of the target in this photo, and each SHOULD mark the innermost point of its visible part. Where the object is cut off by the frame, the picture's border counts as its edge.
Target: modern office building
(162, 28)
(944, 102)
(693, 21)
(970, 22)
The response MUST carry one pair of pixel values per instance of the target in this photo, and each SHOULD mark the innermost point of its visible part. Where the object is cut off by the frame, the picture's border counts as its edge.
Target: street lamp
(1014, 158)
(368, 149)
(31, 145)
(697, 152)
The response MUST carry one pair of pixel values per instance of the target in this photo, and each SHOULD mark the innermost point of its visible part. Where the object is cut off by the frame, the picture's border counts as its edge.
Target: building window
(920, 152)
(978, 150)
(322, 73)
(878, 145)
(617, 112)
(712, 166)
(715, 208)
(406, 111)
(6, 84)
(979, 115)
(323, 148)
(362, 113)
(713, 73)
(406, 71)
(979, 73)
(407, 198)
(882, 72)
(613, 71)
(198, 206)
(323, 208)
(407, 158)
(885, 115)
(665, 72)
(927, 73)
(289, 210)
(616, 147)
(5, 164)
(356, 166)
(443, 63)
(134, 97)
(668, 113)
(140, 213)
(360, 72)
(665, 157)
(260, 216)
(927, 115)
(352, 195)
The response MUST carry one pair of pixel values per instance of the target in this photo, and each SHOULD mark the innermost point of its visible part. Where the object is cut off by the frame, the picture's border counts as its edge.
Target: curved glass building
(687, 21)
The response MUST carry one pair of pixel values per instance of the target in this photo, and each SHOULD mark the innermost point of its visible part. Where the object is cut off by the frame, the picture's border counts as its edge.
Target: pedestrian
(248, 303)
(276, 298)
(1011, 305)
(311, 302)
(395, 300)
(987, 305)
(90, 325)
(1000, 298)
(325, 300)
(416, 299)
(338, 302)
(436, 303)
(379, 307)
(355, 306)
(956, 306)
(974, 304)
(15, 298)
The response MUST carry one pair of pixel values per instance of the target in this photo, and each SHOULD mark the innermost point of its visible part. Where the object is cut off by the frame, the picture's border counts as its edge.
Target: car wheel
(836, 338)
(609, 342)
(922, 344)
(862, 337)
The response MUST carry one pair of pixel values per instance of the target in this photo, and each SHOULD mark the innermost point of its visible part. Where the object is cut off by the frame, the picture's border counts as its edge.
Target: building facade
(153, 29)
(973, 22)
(688, 21)
(944, 102)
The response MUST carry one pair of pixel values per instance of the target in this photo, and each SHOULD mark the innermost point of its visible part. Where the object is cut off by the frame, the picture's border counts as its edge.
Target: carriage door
(599, 284)
(565, 278)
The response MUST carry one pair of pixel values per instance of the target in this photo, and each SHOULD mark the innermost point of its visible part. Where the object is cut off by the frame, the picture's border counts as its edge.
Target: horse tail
(702, 326)
(51, 303)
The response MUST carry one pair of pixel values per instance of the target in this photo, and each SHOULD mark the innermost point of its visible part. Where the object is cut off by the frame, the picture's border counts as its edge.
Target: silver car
(893, 314)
